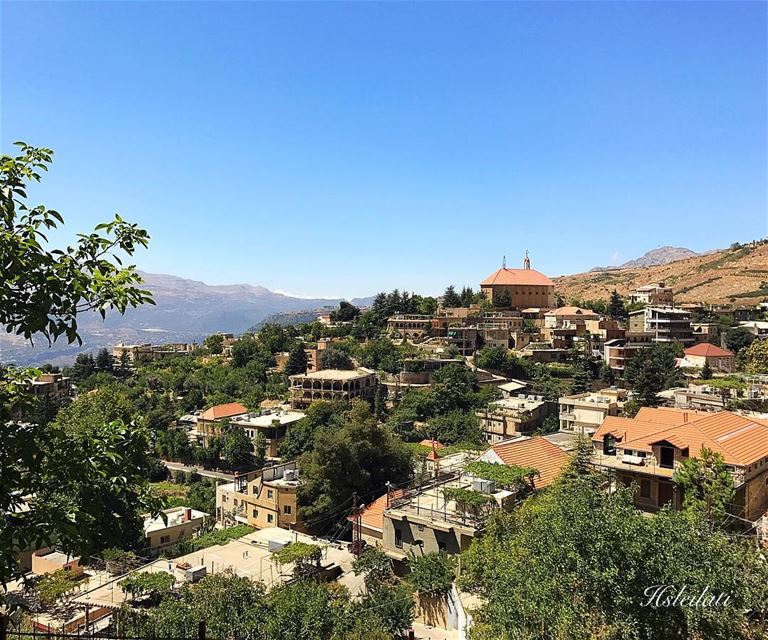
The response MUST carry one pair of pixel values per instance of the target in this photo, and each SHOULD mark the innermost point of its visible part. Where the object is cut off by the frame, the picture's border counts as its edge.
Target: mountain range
(188, 310)
(662, 255)
(184, 311)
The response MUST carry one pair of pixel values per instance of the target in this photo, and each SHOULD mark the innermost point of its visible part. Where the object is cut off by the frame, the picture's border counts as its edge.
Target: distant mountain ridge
(185, 310)
(654, 257)
(737, 275)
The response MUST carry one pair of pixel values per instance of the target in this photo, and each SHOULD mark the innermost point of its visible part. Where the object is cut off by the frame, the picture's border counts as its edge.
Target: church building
(519, 288)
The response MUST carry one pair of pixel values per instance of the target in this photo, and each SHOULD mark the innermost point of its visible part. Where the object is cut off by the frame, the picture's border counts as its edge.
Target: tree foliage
(547, 571)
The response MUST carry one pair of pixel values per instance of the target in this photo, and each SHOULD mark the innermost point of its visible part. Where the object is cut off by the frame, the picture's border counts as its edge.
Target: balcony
(570, 417)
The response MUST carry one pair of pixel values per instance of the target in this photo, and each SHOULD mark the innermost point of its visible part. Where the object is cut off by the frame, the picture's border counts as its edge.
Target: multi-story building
(705, 353)
(574, 316)
(210, 422)
(464, 338)
(272, 425)
(263, 498)
(656, 295)
(143, 352)
(426, 520)
(757, 328)
(178, 523)
(647, 450)
(618, 352)
(510, 417)
(55, 387)
(519, 288)
(332, 384)
(585, 412)
(667, 324)
(409, 326)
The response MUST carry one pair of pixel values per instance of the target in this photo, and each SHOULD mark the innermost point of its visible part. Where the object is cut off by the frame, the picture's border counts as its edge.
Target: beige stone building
(137, 352)
(332, 384)
(409, 326)
(181, 524)
(263, 498)
(704, 353)
(272, 424)
(647, 450)
(657, 295)
(519, 288)
(510, 417)
(665, 323)
(585, 412)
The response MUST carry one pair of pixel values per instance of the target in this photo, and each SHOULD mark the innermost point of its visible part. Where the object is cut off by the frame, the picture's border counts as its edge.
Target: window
(442, 546)
(645, 488)
(609, 445)
(421, 527)
(165, 539)
(398, 538)
(270, 518)
(270, 493)
(667, 457)
(287, 509)
(255, 513)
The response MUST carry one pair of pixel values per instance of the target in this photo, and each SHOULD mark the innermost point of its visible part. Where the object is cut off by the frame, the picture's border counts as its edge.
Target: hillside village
(392, 440)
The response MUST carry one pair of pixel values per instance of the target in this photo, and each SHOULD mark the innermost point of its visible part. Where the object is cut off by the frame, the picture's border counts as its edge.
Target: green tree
(651, 370)
(214, 343)
(451, 298)
(580, 382)
(616, 306)
(345, 313)
(44, 291)
(706, 372)
(297, 361)
(546, 571)
(104, 361)
(738, 338)
(707, 486)
(756, 357)
(84, 367)
(236, 446)
(431, 572)
(333, 357)
(360, 456)
(300, 437)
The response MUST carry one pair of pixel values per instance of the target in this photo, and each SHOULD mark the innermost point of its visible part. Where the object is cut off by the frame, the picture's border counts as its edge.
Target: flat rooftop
(336, 374)
(265, 420)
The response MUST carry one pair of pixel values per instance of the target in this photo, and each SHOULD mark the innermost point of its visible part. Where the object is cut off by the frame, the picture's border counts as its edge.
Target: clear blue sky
(342, 149)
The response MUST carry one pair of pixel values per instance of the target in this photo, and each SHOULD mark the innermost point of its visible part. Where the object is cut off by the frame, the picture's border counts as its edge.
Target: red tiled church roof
(506, 276)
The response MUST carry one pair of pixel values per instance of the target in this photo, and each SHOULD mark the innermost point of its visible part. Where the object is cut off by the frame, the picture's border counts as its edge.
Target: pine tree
(706, 372)
(297, 361)
(104, 361)
(451, 298)
(616, 305)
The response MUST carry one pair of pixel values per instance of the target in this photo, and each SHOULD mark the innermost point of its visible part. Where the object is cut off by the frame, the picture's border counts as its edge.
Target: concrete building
(55, 387)
(648, 449)
(618, 352)
(757, 328)
(425, 519)
(332, 384)
(210, 422)
(147, 351)
(263, 498)
(510, 417)
(665, 323)
(409, 326)
(573, 316)
(49, 561)
(585, 412)
(273, 425)
(704, 353)
(655, 295)
(182, 523)
(519, 288)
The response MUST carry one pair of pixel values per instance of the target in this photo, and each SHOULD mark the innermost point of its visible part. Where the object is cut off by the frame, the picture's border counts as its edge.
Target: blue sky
(346, 148)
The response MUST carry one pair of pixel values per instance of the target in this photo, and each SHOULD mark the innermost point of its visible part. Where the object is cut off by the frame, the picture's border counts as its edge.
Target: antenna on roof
(504, 262)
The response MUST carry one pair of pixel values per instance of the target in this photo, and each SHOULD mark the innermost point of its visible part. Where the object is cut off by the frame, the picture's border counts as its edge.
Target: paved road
(177, 466)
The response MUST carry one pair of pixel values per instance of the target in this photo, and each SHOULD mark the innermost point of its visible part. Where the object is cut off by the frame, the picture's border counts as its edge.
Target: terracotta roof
(739, 439)
(572, 311)
(536, 452)
(669, 416)
(219, 411)
(372, 516)
(707, 350)
(519, 277)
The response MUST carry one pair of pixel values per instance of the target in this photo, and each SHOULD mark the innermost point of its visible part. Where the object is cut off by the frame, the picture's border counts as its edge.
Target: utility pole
(357, 546)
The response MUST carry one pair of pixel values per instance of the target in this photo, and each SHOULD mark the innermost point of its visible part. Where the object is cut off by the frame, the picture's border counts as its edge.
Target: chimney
(685, 417)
